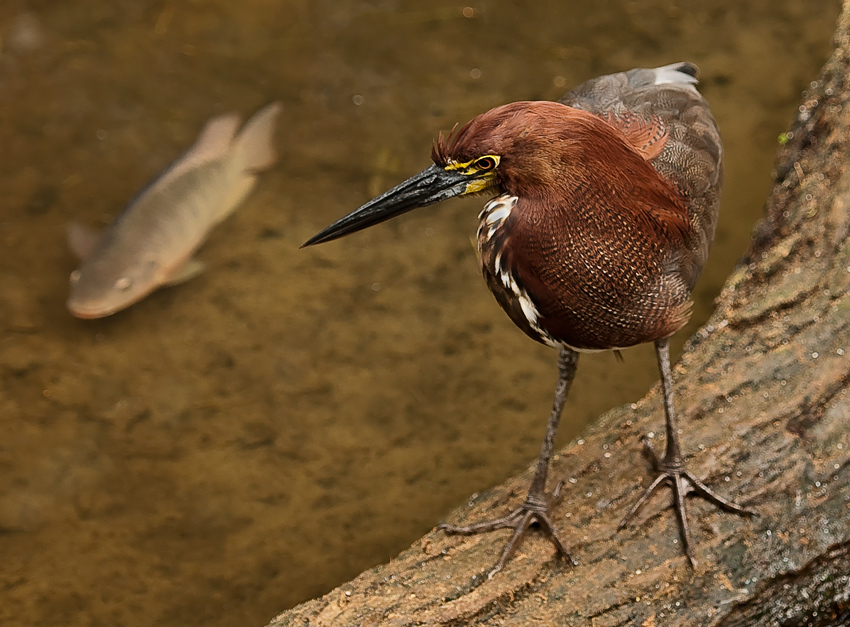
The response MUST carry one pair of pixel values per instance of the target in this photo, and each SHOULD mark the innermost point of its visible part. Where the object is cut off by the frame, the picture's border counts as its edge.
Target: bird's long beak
(429, 186)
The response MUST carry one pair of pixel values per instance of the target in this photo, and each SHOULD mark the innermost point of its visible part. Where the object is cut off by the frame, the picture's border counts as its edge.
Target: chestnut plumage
(603, 209)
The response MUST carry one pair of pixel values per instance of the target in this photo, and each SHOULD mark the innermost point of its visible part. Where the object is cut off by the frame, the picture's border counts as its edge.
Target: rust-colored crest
(442, 145)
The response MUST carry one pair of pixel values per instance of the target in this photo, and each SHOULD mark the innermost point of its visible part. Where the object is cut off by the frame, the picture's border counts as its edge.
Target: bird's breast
(498, 269)
(595, 283)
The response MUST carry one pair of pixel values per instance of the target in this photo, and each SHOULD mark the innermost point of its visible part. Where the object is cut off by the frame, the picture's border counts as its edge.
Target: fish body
(152, 242)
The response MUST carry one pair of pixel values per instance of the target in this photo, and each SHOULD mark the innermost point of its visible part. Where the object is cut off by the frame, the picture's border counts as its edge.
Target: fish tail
(254, 145)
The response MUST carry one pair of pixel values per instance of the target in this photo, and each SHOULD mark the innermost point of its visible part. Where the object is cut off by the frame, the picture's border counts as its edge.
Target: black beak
(429, 186)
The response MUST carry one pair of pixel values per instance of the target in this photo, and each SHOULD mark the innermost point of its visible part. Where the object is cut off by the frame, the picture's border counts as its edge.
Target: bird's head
(522, 148)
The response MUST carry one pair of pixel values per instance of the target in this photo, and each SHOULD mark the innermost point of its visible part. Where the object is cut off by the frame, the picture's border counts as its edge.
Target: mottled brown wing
(691, 157)
(647, 135)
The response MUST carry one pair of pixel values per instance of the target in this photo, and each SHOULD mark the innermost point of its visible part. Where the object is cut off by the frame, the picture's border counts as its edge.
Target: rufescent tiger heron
(604, 209)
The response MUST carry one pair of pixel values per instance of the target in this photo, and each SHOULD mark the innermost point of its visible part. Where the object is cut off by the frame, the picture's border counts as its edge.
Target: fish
(152, 242)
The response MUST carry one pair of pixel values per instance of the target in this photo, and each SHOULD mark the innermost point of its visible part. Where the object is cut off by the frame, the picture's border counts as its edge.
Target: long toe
(505, 522)
(684, 483)
(520, 520)
(711, 496)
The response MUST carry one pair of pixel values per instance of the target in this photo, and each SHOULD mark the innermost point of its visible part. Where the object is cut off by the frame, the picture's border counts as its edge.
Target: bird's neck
(597, 173)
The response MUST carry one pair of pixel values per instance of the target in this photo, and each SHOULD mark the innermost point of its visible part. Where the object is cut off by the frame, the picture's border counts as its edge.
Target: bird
(602, 210)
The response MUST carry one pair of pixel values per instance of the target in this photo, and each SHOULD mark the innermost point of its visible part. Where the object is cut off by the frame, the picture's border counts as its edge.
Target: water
(230, 447)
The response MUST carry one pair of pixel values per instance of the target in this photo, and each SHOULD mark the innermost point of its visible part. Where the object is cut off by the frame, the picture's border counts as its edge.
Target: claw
(671, 468)
(530, 512)
(538, 505)
(683, 482)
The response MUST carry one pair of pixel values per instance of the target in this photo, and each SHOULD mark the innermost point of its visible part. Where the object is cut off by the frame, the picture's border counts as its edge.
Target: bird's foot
(535, 510)
(673, 472)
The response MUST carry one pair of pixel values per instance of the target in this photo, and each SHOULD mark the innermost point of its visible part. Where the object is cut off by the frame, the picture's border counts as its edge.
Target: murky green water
(230, 447)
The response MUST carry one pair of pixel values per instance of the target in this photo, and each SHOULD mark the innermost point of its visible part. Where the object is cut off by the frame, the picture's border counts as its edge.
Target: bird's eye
(75, 277)
(123, 283)
(486, 163)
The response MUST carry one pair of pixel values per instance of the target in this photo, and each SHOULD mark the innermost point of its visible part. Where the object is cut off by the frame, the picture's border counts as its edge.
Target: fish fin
(214, 141)
(238, 192)
(253, 151)
(189, 270)
(82, 239)
(254, 145)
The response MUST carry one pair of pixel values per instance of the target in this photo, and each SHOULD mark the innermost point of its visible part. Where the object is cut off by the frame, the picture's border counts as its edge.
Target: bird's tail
(682, 73)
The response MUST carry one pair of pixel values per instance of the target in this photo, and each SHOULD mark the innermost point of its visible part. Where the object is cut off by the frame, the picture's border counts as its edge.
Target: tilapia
(152, 242)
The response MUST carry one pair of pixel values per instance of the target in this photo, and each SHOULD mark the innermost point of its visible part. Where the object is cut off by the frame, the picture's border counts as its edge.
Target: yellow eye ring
(485, 164)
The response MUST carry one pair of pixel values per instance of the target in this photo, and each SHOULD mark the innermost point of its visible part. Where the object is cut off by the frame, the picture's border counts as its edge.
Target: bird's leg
(671, 468)
(537, 506)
